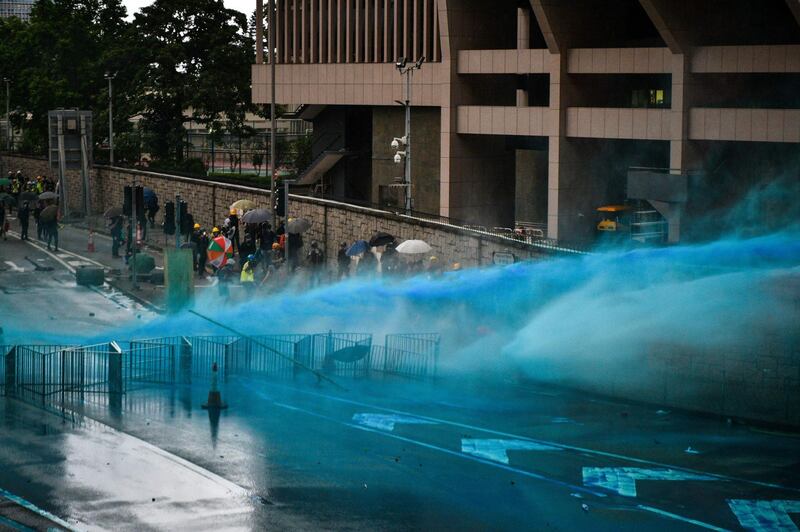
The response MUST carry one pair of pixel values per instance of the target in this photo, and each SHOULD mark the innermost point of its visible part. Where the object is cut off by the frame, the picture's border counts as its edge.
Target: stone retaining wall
(333, 222)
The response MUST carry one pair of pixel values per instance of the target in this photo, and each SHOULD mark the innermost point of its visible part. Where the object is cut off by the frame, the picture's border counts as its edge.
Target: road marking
(431, 446)
(14, 267)
(78, 263)
(623, 479)
(546, 442)
(495, 449)
(388, 421)
(765, 516)
(681, 518)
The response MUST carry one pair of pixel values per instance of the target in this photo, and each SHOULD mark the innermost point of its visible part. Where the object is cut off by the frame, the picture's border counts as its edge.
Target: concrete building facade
(535, 110)
(16, 8)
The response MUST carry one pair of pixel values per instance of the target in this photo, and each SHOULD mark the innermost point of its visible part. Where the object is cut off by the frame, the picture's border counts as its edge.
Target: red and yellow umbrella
(220, 251)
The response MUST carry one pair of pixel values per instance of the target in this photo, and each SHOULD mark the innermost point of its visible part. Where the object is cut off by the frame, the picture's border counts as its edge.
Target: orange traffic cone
(90, 242)
(214, 397)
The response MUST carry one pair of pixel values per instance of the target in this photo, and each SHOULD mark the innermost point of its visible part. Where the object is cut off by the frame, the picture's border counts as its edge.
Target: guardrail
(63, 376)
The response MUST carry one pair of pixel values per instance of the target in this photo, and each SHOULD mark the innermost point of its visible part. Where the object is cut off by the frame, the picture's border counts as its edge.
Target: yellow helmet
(234, 211)
(276, 246)
(197, 226)
(215, 230)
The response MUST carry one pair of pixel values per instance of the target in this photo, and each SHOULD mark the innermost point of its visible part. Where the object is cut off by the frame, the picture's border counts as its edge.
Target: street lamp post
(211, 137)
(110, 77)
(8, 121)
(273, 57)
(405, 156)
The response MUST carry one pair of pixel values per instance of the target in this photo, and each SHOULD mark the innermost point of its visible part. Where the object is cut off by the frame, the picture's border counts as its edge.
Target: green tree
(197, 56)
(59, 58)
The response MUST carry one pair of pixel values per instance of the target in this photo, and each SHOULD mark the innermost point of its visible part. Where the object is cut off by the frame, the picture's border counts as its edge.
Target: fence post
(11, 372)
(186, 360)
(115, 385)
(385, 354)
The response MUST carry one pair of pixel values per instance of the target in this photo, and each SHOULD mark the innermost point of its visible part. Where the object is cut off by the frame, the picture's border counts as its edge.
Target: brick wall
(333, 222)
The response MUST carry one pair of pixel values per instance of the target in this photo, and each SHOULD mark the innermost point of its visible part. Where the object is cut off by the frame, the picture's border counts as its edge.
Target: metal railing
(69, 377)
(414, 355)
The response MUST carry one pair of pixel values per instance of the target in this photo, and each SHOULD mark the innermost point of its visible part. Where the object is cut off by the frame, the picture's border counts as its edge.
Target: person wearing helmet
(197, 248)
(233, 230)
(203, 242)
(248, 277)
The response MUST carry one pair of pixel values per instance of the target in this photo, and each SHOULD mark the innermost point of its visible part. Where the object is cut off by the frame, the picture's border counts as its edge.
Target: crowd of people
(28, 196)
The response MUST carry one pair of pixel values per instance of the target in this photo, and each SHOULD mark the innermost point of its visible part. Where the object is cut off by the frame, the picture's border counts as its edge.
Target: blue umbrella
(148, 193)
(358, 247)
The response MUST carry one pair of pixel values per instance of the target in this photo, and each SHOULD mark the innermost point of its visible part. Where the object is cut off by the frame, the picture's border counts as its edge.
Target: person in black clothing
(233, 230)
(316, 261)
(202, 252)
(343, 261)
(3, 220)
(295, 243)
(248, 247)
(197, 249)
(117, 225)
(151, 204)
(24, 216)
(39, 224)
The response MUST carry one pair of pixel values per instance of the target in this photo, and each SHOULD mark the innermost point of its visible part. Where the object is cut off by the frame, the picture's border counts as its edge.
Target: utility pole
(110, 77)
(273, 57)
(405, 156)
(8, 121)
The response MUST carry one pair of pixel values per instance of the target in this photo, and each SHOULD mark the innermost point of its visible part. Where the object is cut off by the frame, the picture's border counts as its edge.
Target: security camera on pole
(400, 156)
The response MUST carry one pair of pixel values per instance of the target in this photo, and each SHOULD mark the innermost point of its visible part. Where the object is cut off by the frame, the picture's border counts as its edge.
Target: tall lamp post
(406, 70)
(110, 77)
(273, 58)
(8, 120)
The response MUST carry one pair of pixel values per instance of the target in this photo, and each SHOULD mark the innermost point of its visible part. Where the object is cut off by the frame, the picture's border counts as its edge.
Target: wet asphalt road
(316, 458)
(383, 455)
(38, 287)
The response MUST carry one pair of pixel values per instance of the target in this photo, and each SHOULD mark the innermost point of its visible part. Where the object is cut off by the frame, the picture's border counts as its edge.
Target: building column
(523, 43)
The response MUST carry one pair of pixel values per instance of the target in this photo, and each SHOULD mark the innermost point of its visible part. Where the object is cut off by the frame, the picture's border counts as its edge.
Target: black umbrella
(49, 213)
(8, 199)
(48, 195)
(299, 225)
(257, 216)
(28, 196)
(380, 239)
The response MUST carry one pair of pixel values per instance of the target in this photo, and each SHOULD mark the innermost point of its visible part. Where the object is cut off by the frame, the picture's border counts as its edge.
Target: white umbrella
(413, 247)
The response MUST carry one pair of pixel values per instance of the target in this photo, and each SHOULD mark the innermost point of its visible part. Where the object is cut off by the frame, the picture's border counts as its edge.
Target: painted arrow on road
(495, 449)
(623, 479)
(765, 516)
(388, 421)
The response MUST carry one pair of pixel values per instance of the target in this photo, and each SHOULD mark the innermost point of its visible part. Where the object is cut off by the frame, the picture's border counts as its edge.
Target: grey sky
(245, 6)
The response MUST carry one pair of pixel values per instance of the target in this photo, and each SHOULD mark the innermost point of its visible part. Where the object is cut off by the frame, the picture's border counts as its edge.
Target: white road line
(436, 448)
(680, 518)
(543, 442)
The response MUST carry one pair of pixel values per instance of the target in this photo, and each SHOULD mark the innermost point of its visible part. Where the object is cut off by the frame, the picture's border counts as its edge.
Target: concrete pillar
(523, 43)
(260, 31)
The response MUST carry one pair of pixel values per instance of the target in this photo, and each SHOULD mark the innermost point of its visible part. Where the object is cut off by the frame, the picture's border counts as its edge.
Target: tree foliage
(176, 60)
